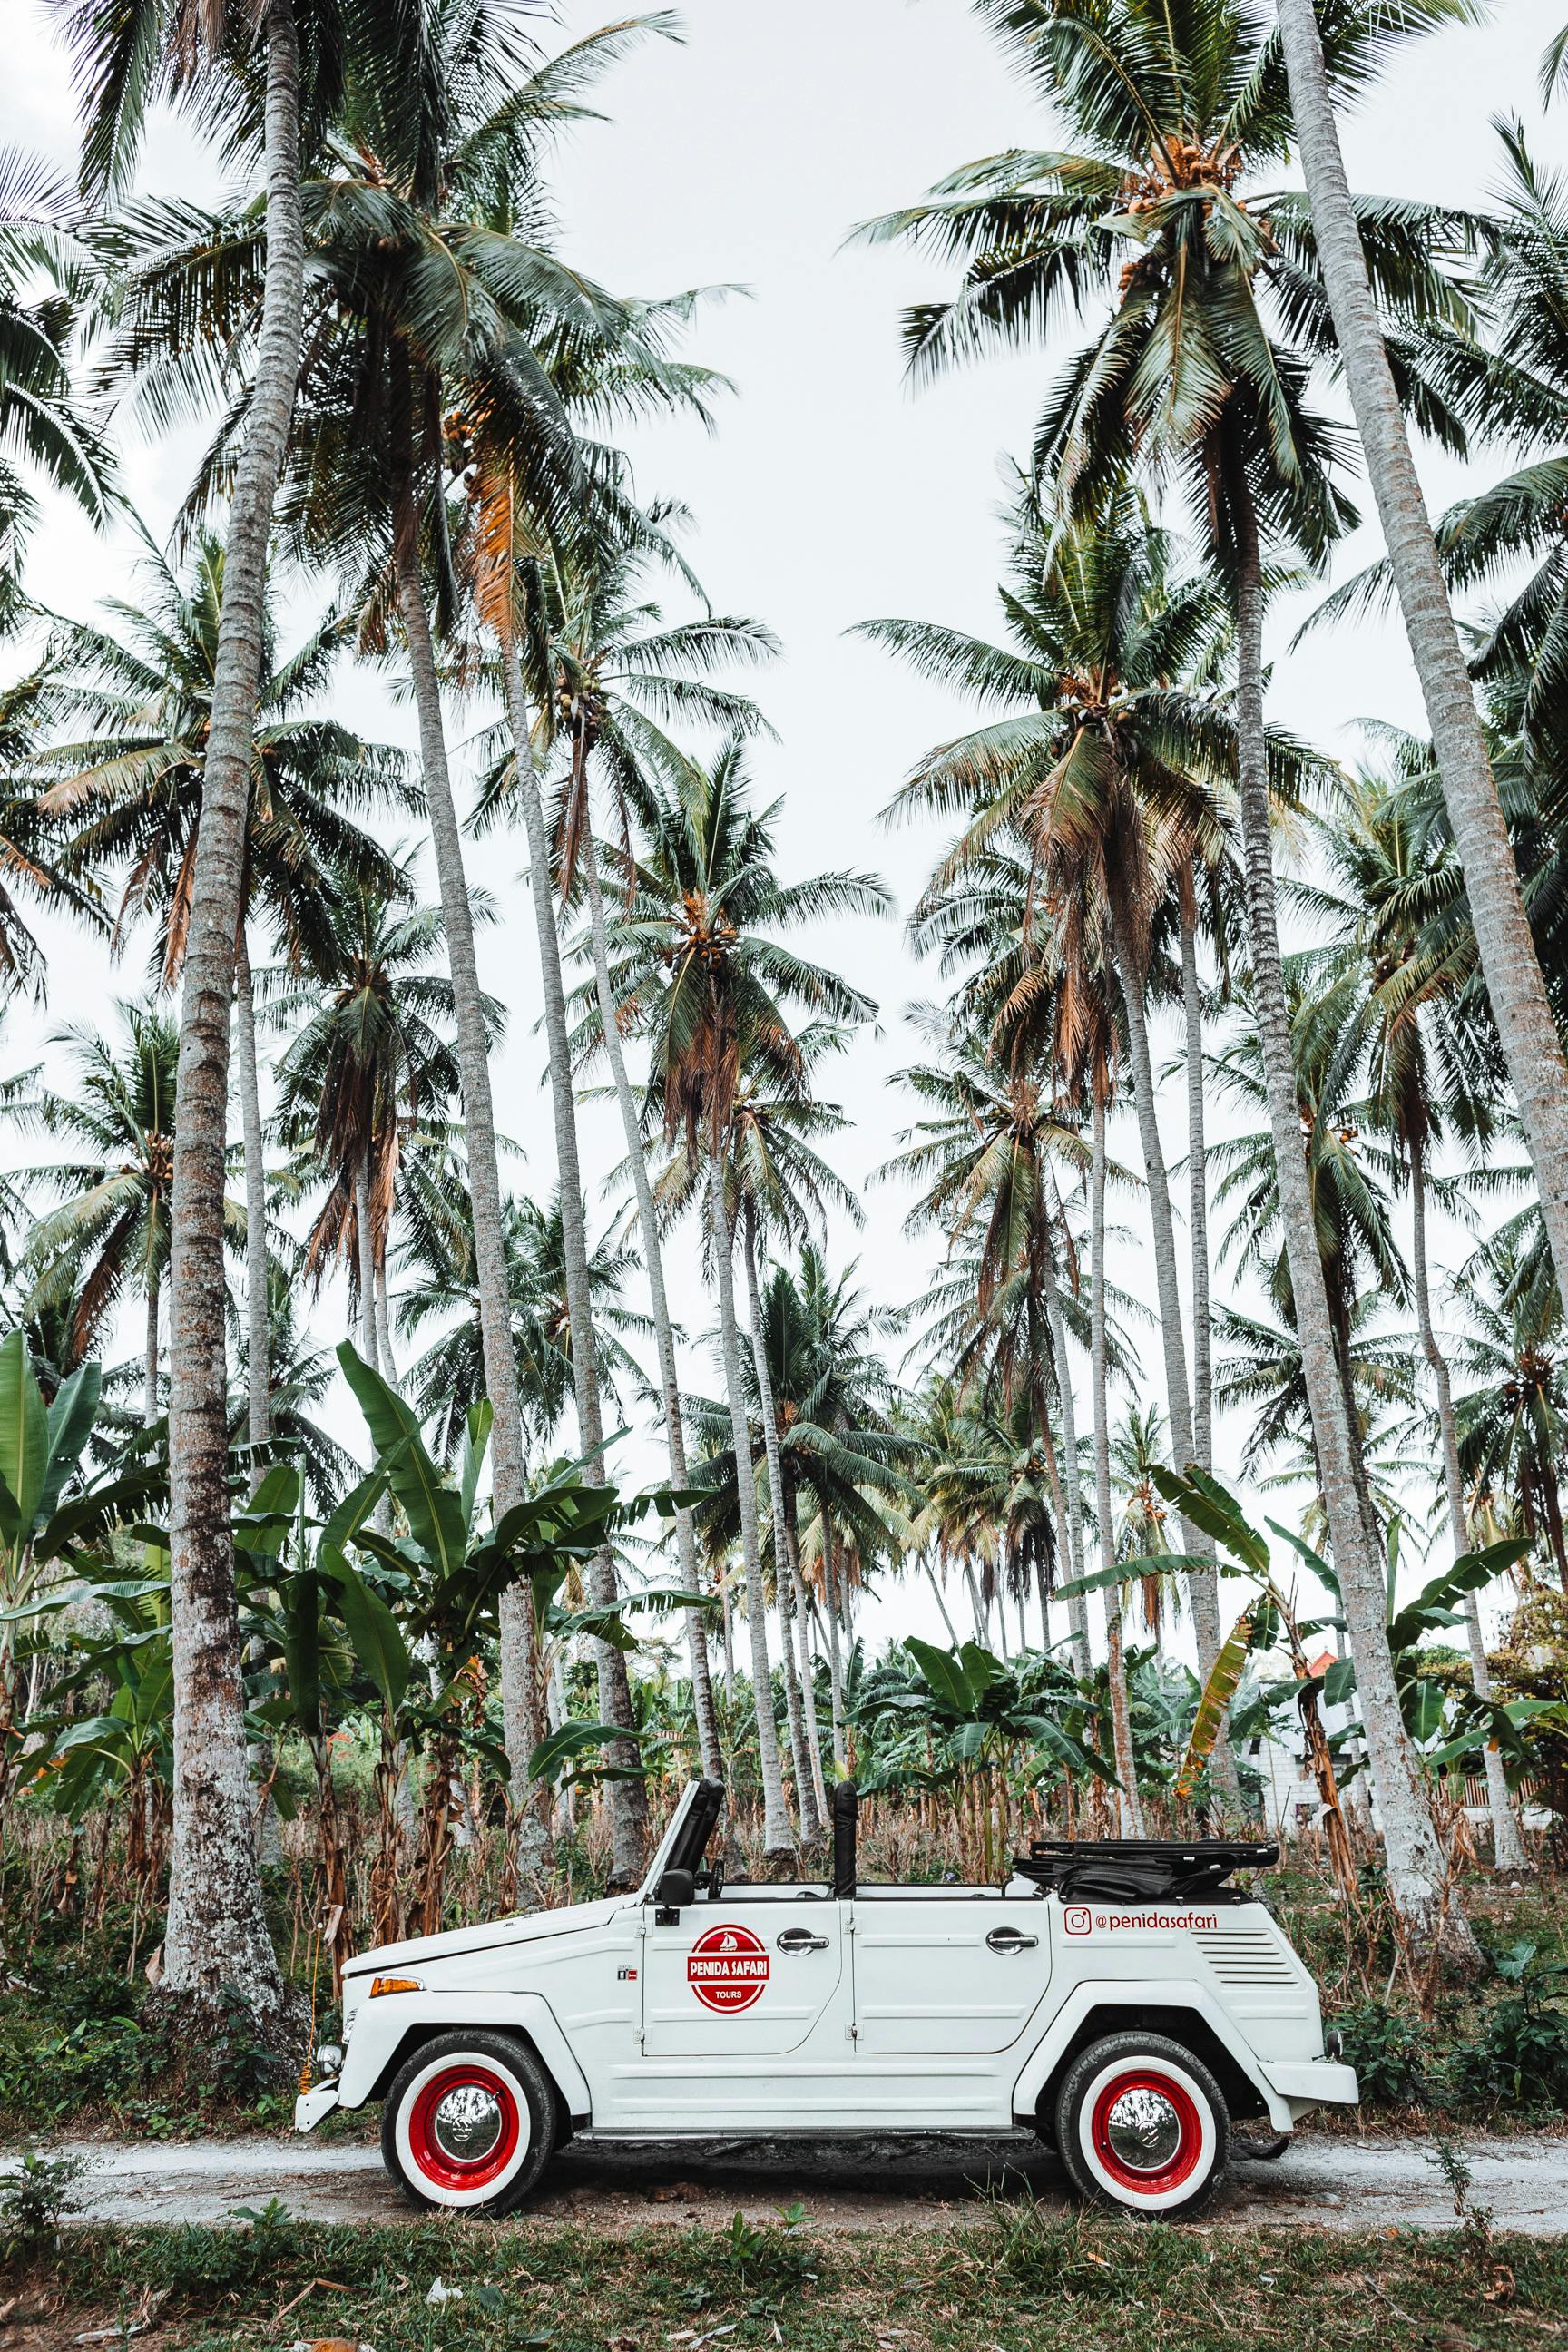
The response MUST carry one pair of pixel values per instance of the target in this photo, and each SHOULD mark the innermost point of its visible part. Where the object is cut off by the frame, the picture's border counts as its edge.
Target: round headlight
(328, 2060)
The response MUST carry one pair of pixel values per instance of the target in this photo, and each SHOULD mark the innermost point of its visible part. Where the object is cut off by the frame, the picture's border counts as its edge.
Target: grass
(1020, 2279)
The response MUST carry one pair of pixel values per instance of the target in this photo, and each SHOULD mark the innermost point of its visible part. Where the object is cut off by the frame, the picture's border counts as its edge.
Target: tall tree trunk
(1167, 1287)
(1077, 1610)
(1197, 1190)
(257, 1306)
(1508, 1843)
(365, 1252)
(1222, 1761)
(834, 1646)
(1131, 1805)
(627, 1800)
(941, 1604)
(727, 1606)
(778, 1834)
(217, 1933)
(801, 1605)
(384, 1321)
(1532, 1047)
(151, 1353)
(811, 1825)
(522, 1697)
(664, 1330)
(1416, 1872)
(977, 1608)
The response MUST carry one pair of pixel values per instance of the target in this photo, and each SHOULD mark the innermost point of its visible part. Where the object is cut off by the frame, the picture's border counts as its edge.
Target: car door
(945, 1974)
(744, 1977)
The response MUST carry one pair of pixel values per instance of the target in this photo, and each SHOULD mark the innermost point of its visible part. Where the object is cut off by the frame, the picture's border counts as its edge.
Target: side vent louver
(1248, 1957)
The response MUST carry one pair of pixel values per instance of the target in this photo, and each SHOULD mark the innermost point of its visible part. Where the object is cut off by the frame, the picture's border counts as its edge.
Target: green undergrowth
(78, 2053)
(1020, 2277)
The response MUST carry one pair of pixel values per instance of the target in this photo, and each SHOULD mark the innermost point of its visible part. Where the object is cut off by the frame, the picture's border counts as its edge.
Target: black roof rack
(1143, 1870)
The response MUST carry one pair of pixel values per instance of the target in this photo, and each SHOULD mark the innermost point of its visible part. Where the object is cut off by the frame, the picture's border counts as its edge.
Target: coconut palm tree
(1512, 1423)
(601, 669)
(778, 1190)
(1107, 772)
(45, 431)
(107, 1238)
(435, 1262)
(1426, 1076)
(368, 1063)
(694, 963)
(1532, 1047)
(29, 846)
(1201, 371)
(127, 794)
(217, 1933)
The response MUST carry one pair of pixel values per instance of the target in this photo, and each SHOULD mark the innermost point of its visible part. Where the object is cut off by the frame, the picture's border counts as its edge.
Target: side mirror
(675, 1890)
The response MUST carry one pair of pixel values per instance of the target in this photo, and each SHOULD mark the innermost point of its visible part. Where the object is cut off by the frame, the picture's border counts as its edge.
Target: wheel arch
(375, 2057)
(1180, 2013)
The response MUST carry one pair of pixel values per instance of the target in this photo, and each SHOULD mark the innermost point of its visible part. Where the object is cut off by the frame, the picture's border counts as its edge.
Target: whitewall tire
(468, 2124)
(1142, 2125)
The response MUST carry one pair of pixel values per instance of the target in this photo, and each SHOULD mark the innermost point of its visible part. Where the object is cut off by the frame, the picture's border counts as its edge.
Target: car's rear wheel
(1141, 2124)
(468, 2124)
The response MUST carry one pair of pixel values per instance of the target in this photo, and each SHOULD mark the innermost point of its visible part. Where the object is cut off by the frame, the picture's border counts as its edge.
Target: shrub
(1386, 2049)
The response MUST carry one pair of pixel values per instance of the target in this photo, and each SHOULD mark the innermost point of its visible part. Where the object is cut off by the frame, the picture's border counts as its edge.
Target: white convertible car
(1119, 1998)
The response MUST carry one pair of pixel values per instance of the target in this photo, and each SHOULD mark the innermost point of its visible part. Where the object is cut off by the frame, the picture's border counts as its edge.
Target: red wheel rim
(443, 2166)
(1149, 2181)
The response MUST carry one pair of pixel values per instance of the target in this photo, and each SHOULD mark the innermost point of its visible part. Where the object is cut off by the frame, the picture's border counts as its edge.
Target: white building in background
(1291, 1799)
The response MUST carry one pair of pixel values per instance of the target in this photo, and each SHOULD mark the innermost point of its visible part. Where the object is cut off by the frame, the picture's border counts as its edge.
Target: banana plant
(987, 1723)
(1205, 1503)
(50, 1511)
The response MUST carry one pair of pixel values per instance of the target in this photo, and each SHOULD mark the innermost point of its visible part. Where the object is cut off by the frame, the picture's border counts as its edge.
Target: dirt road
(868, 2184)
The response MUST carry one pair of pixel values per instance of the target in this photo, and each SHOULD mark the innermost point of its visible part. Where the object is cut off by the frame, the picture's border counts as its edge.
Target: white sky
(831, 492)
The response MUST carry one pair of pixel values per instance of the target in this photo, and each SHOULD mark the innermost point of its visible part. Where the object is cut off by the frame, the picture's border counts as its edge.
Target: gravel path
(846, 2185)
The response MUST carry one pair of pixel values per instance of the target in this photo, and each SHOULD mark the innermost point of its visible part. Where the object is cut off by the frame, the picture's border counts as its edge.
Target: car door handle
(800, 1939)
(1011, 1939)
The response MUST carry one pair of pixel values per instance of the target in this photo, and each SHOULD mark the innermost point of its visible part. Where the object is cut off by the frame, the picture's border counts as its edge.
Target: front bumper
(1307, 2083)
(311, 2106)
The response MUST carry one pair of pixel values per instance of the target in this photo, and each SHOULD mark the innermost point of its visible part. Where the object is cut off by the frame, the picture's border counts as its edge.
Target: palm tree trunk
(1197, 1194)
(1416, 1875)
(364, 1247)
(150, 1356)
(1532, 1047)
(1130, 1804)
(729, 1617)
(941, 1604)
(1167, 1286)
(801, 1606)
(977, 1609)
(778, 1834)
(1077, 1610)
(1222, 1761)
(834, 1646)
(520, 1696)
(217, 1933)
(258, 1316)
(627, 1800)
(800, 1752)
(664, 1330)
(1508, 1843)
(384, 1321)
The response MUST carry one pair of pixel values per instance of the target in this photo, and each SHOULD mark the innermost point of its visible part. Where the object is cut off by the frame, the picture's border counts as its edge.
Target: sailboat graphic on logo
(727, 1968)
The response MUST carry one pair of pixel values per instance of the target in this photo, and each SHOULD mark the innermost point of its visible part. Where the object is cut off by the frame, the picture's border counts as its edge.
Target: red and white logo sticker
(1077, 1919)
(727, 1968)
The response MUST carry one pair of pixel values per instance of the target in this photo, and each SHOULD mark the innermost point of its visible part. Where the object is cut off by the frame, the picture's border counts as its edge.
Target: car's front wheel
(468, 2123)
(1141, 2124)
